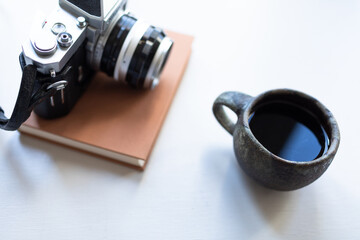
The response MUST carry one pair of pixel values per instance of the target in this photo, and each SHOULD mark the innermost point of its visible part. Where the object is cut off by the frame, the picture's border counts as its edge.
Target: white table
(192, 187)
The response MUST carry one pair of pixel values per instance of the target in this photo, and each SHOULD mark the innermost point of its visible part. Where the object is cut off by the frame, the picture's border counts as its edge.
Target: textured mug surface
(258, 162)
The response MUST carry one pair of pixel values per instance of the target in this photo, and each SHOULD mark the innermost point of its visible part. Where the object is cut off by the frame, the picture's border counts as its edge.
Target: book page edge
(82, 146)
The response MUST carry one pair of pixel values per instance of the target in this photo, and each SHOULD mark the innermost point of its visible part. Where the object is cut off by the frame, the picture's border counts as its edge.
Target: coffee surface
(289, 131)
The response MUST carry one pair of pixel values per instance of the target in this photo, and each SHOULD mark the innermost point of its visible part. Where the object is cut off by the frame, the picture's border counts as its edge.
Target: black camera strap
(30, 94)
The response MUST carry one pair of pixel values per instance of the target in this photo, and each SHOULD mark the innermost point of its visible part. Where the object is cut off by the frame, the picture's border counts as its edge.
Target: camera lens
(135, 53)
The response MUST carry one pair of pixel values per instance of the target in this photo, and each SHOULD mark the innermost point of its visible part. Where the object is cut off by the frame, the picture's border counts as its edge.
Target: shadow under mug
(257, 161)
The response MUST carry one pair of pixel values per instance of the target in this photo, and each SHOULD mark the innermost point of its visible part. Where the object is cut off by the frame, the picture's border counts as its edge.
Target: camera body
(82, 37)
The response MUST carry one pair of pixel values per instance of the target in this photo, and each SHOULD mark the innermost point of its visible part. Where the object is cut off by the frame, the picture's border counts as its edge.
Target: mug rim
(326, 114)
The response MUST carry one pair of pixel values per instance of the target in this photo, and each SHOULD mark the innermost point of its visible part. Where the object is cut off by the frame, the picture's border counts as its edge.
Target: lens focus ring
(143, 56)
(115, 43)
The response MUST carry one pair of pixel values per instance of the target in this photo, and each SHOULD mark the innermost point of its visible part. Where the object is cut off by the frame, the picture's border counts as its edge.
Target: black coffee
(289, 132)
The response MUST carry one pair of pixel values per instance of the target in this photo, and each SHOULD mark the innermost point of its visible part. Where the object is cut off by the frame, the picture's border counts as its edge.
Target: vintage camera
(82, 37)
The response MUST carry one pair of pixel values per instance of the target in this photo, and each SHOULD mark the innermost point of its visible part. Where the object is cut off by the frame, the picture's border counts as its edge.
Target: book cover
(114, 121)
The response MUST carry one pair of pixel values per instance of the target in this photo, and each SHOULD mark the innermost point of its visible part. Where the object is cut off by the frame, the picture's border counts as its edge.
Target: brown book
(113, 121)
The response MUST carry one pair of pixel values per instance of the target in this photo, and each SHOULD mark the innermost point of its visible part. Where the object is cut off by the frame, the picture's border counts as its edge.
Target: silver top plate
(60, 56)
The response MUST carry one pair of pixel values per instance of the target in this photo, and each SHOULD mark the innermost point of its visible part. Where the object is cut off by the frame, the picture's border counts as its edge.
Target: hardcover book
(114, 121)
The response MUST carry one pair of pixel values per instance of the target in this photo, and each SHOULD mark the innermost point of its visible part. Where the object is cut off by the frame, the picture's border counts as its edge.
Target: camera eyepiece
(134, 52)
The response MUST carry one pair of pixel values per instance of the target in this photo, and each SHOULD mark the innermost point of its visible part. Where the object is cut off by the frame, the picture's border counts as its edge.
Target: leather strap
(30, 94)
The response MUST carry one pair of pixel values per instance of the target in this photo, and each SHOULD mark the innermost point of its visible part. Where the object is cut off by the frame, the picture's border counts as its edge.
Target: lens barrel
(135, 52)
(115, 43)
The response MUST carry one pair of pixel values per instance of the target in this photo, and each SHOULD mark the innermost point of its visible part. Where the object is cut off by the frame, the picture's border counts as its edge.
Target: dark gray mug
(257, 161)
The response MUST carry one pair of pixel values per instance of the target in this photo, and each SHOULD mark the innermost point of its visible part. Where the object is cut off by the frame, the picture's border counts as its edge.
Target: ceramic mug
(257, 161)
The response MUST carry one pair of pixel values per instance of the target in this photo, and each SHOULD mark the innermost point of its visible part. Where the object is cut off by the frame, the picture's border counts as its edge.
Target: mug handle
(236, 101)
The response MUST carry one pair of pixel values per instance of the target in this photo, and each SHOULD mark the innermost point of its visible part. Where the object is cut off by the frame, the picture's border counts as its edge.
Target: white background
(192, 187)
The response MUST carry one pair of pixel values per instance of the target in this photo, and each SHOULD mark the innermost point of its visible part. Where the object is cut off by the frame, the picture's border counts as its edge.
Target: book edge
(119, 157)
